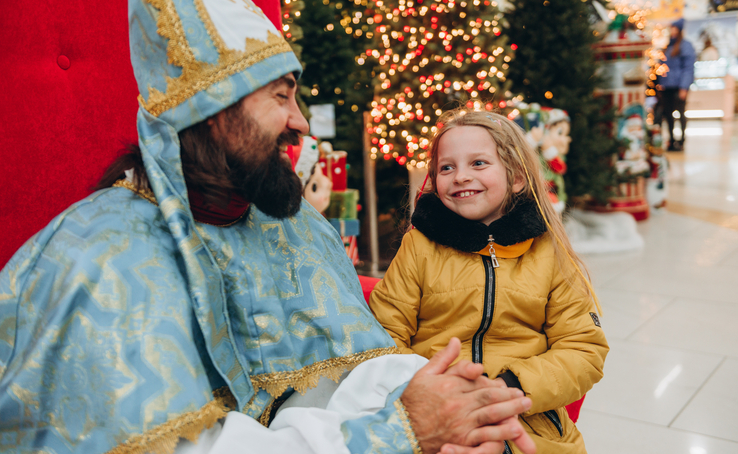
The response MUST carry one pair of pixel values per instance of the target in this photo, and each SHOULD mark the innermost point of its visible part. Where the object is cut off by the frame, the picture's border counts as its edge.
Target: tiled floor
(671, 315)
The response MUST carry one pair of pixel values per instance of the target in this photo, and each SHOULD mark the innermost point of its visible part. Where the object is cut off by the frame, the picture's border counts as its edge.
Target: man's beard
(258, 171)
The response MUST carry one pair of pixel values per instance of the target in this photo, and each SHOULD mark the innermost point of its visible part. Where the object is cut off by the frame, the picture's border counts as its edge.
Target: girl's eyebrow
(479, 154)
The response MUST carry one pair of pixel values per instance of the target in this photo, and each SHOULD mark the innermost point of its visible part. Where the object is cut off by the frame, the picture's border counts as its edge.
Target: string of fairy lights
(430, 56)
(427, 56)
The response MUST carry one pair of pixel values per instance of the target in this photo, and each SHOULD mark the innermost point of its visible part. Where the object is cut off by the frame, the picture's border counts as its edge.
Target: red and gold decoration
(622, 54)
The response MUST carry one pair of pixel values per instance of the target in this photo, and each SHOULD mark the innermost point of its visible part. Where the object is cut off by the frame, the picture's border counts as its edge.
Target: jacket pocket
(555, 420)
(546, 425)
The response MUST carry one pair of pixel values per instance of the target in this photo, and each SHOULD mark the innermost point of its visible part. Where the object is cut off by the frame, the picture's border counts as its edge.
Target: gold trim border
(407, 425)
(161, 103)
(276, 383)
(163, 439)
(144, 193)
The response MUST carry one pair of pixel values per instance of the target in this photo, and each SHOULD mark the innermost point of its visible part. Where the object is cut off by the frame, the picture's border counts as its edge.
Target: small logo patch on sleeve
(595, 319)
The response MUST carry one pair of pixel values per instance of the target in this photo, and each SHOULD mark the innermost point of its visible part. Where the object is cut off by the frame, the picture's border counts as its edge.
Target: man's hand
(460, 411)
(682, 94)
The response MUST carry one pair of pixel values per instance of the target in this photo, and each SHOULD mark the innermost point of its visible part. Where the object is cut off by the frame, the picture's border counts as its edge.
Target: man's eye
(285, 97)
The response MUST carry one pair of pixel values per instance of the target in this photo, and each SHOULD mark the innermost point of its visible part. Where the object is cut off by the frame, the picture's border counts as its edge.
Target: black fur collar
(443, 226)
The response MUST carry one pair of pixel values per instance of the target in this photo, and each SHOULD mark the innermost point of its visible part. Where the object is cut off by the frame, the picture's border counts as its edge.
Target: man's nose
(297, 121)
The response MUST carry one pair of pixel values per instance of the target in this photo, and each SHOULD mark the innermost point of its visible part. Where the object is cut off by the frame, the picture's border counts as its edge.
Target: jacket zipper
(507, 449)
(490, 263)
(554, 418)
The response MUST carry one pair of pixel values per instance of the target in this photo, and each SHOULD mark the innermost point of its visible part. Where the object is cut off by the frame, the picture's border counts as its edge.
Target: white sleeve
(311, 423)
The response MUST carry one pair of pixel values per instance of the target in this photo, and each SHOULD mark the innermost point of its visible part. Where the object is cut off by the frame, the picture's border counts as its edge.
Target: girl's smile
(466, 194)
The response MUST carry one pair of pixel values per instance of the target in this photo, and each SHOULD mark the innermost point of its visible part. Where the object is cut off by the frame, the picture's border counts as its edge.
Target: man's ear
(216, 123)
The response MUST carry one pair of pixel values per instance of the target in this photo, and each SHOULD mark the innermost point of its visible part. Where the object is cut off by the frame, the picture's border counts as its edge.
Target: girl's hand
(499, 382)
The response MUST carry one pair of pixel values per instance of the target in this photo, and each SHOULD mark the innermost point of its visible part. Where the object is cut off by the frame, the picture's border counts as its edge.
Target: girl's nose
(462, 177)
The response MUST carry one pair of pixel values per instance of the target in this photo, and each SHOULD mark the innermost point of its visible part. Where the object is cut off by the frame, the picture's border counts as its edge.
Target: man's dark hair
(251, 166)
(203, 162)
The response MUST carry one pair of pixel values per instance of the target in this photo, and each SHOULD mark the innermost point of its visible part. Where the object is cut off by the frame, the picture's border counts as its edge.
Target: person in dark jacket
(674, 86)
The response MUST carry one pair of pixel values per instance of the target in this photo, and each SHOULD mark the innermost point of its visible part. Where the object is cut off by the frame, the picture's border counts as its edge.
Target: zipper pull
(492, 253)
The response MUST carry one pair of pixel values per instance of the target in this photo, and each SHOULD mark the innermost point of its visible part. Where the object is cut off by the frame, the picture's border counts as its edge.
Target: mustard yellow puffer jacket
(522, 319)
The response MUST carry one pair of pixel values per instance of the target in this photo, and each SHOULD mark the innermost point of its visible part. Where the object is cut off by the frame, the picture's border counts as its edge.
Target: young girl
(489, 262)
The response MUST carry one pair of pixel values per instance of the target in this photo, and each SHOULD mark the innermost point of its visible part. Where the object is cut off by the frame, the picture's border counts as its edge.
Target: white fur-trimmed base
(602, 233)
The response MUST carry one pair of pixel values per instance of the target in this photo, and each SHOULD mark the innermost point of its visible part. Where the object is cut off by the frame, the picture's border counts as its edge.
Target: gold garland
(409, 432)
(144, 193)
(163, 439)
(276, 383)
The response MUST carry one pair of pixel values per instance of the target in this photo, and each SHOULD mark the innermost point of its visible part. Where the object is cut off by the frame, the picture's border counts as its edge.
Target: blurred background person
(672, 88)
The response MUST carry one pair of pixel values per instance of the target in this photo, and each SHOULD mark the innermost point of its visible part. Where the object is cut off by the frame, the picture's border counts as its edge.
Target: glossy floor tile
(712, 410)
(694, 325)
(674, 277)
(606, 434)
(649, 383)
(626, 311)
(671, 314)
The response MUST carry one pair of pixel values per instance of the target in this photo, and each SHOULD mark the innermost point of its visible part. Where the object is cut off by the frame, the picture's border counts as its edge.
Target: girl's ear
(518, 184)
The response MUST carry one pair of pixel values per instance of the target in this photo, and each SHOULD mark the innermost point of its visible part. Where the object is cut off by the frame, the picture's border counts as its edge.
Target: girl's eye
(479, 163)
(315, 187)
(444, 168)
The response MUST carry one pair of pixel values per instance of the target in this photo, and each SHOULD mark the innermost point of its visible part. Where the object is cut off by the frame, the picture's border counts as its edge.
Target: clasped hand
(458, 410)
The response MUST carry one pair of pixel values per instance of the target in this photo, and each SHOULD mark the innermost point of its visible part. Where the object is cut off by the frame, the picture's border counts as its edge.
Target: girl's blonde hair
(521, 162)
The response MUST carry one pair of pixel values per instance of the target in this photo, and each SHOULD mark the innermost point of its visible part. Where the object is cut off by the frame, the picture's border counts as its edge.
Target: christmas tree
(429, 56)
(555, 67)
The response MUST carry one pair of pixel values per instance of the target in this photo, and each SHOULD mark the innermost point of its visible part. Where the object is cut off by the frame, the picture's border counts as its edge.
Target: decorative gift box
(343, 205)
(334, 167)
(346, 227)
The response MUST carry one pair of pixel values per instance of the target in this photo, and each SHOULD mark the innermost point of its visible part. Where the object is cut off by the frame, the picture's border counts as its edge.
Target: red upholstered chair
(68, 104)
